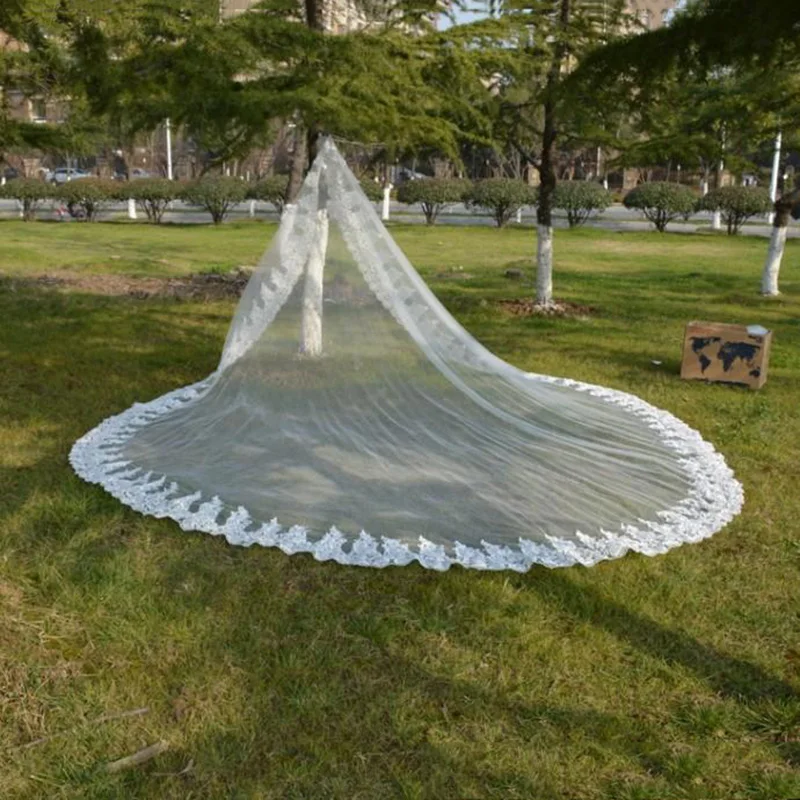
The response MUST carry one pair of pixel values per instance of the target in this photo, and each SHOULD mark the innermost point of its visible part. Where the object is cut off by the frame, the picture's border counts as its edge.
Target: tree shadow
(316, 643)
(70, 361)
(725, 674)
(326, 647)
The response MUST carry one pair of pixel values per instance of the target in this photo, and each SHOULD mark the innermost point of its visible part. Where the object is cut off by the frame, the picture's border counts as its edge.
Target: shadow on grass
(71, 360)
(413, 732)
(347, 700)
(335, 697)
(338, 687)
(724, 674)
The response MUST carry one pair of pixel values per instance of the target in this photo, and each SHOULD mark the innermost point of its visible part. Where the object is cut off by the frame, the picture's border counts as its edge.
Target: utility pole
(716, 218)
(600, 149)
(169, 149)
(601, 173)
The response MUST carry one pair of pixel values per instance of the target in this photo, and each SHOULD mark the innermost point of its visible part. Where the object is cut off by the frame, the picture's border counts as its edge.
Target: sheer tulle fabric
(351, 417)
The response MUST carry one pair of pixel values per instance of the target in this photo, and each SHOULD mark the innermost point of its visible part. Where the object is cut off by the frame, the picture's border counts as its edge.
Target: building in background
(19, 106)
(653, 14)
(338, 16)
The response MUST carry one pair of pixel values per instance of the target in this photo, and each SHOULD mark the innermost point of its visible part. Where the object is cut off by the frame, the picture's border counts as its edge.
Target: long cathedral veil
(353, 418)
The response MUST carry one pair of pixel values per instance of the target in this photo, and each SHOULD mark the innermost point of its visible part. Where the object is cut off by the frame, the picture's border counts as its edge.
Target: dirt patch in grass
(199, 286)
(559, 308)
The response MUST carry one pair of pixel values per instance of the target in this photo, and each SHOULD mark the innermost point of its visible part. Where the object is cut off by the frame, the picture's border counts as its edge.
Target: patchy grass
(278, 677)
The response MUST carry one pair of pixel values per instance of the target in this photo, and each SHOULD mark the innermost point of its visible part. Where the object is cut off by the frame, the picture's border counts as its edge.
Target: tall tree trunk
(313, 137)
(299, 163)
(544, 210)
(777, 244)
(305, 138)
(313, 9)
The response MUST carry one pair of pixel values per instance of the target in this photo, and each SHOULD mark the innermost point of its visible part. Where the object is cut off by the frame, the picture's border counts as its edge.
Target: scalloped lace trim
(715, 497)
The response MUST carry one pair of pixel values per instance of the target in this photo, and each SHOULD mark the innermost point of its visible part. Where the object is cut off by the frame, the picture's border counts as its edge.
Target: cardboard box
(726, 353)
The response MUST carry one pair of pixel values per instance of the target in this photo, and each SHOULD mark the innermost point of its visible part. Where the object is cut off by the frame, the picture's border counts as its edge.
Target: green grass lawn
(278, 677)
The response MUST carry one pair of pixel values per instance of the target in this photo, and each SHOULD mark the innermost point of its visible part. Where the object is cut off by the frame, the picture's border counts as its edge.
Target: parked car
(64, 175)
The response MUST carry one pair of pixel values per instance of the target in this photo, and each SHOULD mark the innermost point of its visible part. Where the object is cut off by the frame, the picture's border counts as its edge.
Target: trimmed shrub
(580, 199)
(373, 190)
(29, 193)
(661, 202)
(503, 197)
(270, 190)
(152, 195)
(85, 197)
(215, 194)
(433, 194)
(737, 204)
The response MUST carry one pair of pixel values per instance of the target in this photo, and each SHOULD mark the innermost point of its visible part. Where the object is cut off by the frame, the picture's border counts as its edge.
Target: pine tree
(537, 109)
(231, 83)
(374, 84)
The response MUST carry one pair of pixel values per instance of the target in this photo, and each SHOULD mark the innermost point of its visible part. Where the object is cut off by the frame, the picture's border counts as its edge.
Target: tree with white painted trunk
(757, 44)
(785, 207)
(538, 112)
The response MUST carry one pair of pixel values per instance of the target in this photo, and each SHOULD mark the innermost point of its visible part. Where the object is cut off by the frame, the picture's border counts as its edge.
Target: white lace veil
(353, 418)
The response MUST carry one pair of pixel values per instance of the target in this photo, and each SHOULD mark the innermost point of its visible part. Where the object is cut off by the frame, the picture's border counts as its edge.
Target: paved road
(616, 218)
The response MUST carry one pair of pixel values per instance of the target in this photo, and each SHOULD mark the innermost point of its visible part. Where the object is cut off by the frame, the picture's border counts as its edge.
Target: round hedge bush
(215, 194)
(152, 195)
(29, 193)
(737, 204)
(433, 194)
(84, 197)
(502, 197)
(580, 199)
(270, 190)
(661, 202)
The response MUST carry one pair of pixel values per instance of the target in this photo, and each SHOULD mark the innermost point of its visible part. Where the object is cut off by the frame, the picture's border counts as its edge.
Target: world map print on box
(726, 353)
